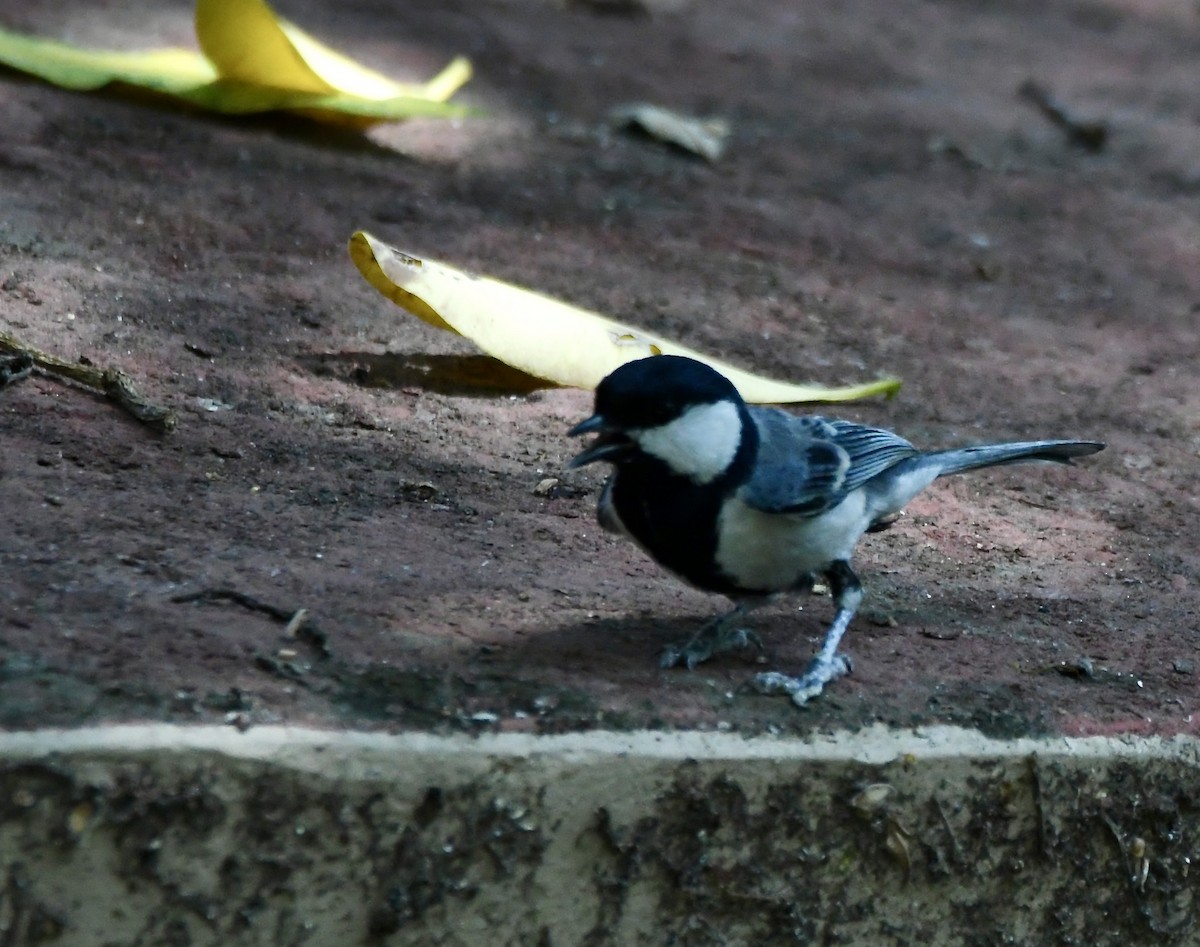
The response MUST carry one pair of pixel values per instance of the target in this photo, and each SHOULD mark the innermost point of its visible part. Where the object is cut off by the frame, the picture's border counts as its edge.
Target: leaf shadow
(478, 375)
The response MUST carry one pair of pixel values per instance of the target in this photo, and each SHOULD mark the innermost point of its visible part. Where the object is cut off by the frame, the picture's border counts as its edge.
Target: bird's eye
(667, 409)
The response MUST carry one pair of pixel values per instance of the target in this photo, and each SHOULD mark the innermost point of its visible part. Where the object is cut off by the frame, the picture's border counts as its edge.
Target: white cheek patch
(699, 444)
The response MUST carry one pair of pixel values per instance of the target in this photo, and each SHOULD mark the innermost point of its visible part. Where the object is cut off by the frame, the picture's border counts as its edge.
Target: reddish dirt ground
(889, 205)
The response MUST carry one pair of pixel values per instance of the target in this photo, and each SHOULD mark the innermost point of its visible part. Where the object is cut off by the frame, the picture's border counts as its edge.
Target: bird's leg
(723, 633)
(828, 665)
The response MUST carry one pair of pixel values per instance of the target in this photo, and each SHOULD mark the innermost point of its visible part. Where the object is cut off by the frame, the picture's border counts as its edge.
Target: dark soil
(890, 204)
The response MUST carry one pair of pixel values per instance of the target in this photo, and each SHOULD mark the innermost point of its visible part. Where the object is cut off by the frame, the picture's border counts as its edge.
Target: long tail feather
(961, 459)
(889, 492)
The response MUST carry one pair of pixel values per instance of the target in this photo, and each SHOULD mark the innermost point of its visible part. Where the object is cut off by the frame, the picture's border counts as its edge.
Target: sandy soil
(889, 205)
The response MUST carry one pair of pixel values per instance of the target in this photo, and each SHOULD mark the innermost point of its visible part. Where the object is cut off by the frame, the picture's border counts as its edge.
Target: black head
(653, 391)
(645, 394)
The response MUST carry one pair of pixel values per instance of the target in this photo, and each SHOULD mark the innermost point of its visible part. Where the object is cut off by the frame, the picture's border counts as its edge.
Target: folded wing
(807, 465)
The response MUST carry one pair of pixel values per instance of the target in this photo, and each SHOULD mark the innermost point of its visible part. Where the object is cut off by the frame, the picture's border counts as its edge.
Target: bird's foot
(808, 685)
(710, 640)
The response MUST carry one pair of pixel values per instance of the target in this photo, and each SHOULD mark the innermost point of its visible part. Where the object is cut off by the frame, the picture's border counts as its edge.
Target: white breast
(773, 551)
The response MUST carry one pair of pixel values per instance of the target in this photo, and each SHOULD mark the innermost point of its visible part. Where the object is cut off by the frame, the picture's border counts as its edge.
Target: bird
(752, 502)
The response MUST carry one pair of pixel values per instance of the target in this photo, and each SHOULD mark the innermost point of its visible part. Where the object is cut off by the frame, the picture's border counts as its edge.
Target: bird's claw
(701, 647)
(673, 654)
(808, 685)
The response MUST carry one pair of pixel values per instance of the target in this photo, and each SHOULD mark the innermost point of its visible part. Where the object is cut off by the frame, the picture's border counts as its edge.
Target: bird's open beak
(610, 445)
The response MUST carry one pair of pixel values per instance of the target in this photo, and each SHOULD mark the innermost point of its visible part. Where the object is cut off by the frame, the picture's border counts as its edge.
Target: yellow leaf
(245, 41)
(252, 61)
(248, 43)
(545, 337)
(162, 70)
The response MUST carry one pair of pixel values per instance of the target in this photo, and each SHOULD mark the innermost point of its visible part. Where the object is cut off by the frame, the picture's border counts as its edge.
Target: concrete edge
(304, 747)
(148, 834)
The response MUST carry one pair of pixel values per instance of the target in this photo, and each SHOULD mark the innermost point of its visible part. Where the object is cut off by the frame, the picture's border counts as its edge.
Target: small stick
(297, 623)
(111, 382)
(1091, 136)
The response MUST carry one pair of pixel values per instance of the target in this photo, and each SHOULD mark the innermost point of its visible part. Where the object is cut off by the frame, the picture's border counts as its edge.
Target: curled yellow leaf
(252, 61)
(247, 42)
(545, 337)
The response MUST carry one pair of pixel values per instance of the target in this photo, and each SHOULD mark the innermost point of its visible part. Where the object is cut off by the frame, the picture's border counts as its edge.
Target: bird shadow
(631, 648)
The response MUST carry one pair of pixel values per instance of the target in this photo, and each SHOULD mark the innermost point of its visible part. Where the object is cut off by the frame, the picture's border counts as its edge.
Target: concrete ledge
(160, 834)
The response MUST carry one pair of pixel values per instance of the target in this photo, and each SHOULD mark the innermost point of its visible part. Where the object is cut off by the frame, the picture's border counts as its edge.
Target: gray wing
(807, 465)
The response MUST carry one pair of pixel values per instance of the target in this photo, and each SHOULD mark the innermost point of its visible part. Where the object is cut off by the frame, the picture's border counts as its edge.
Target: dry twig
(1091, 136)
(298, 623)
(18, 360)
